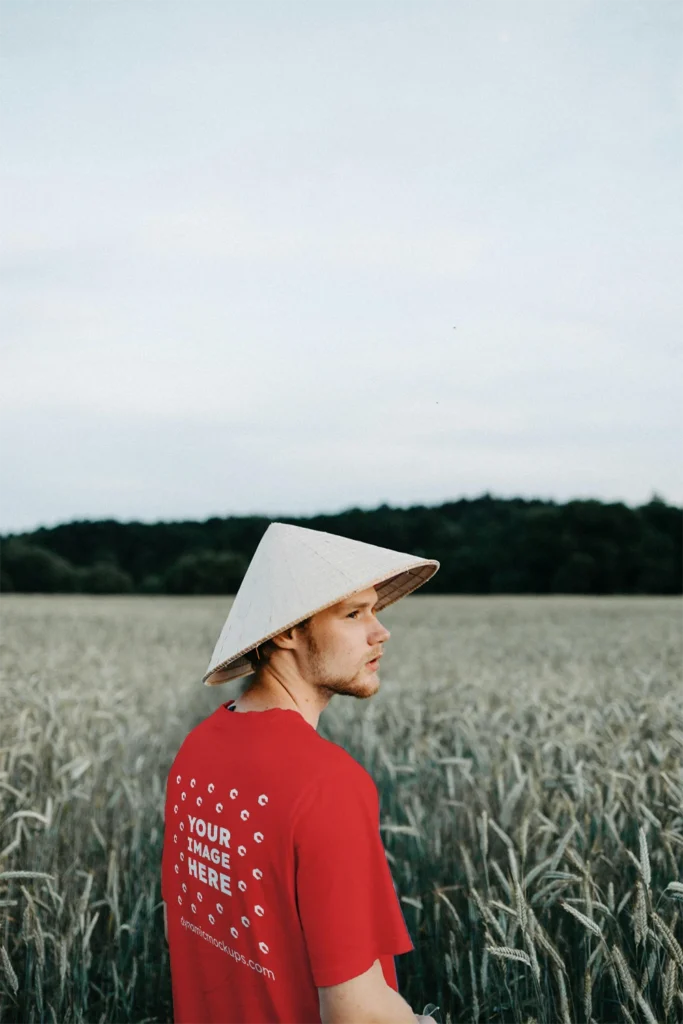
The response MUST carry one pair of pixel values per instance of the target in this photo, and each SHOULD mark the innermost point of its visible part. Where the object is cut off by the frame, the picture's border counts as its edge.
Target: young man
(278, 897)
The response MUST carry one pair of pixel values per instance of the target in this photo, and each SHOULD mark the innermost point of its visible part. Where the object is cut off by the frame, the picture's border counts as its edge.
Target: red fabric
(273, 871)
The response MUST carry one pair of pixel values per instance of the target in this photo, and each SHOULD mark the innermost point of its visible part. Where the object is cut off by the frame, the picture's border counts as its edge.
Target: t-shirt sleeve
(348, 906)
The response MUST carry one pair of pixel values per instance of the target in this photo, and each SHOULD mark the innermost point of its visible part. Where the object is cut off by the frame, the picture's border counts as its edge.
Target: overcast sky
(290, 257)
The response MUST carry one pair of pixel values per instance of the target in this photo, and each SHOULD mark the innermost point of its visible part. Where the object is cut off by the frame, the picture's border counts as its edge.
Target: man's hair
(268, 647)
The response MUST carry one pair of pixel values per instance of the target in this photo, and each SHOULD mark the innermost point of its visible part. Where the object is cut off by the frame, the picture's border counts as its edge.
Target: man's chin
(367, 685)
(362, 686)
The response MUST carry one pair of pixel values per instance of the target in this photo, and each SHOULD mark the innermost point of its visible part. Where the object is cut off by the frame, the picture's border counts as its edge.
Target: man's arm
(367, 998)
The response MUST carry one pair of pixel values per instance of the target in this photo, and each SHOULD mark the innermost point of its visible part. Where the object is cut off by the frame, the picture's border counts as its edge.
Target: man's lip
(374, 659)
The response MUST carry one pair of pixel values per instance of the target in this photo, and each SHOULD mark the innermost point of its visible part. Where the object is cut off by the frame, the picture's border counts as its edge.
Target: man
(278, 898)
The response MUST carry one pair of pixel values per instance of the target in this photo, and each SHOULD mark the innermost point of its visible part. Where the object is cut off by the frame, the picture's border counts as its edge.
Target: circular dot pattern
(242, 851)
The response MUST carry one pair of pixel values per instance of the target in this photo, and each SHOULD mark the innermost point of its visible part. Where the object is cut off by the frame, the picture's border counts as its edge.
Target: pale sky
(237, 237)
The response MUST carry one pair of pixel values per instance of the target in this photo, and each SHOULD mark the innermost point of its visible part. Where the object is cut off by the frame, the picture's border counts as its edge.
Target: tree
(105, 578)
(576, 575)
(35, 570)
(206, 572)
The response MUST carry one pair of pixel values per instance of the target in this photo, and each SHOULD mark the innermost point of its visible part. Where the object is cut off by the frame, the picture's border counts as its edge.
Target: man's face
(340, 642)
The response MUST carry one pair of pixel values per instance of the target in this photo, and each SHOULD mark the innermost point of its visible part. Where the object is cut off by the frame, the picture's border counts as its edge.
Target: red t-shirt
(273, 871)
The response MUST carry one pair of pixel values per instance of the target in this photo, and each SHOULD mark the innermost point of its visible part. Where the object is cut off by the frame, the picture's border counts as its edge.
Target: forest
(486, 545)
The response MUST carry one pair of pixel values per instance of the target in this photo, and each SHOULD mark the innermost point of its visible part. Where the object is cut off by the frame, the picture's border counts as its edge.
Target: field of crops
(529, 758)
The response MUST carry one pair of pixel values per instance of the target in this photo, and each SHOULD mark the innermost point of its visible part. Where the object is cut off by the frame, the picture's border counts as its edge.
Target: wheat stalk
(564, 1005)
(644, 858)
(669, 985)
(585, 921)
(639, 914)
(669, 938)
(587, 994)
(508, 953)
(8, 970)
(627, 978)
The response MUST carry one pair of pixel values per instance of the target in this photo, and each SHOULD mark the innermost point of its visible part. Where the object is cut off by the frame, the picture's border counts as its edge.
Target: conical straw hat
(296, 572)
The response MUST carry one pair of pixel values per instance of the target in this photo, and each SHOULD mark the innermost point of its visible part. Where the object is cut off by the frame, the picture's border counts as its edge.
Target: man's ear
(288, 638)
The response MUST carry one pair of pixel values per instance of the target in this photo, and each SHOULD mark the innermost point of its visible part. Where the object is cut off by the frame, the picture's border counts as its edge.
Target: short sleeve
(347, 903)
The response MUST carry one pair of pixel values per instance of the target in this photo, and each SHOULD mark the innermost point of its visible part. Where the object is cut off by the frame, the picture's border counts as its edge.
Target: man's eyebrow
(351, 603)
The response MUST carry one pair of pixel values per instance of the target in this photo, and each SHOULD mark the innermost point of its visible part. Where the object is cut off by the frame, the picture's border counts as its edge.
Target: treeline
(485, 545)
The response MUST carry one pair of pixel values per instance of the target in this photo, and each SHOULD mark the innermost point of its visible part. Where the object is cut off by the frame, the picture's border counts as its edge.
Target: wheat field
(529, 758)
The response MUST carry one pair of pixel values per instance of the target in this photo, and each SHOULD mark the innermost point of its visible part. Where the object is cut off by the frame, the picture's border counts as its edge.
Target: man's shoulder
(196, 736)
(337, 767)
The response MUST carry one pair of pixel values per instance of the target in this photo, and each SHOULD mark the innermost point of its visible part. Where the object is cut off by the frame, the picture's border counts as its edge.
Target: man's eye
(351, 614)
